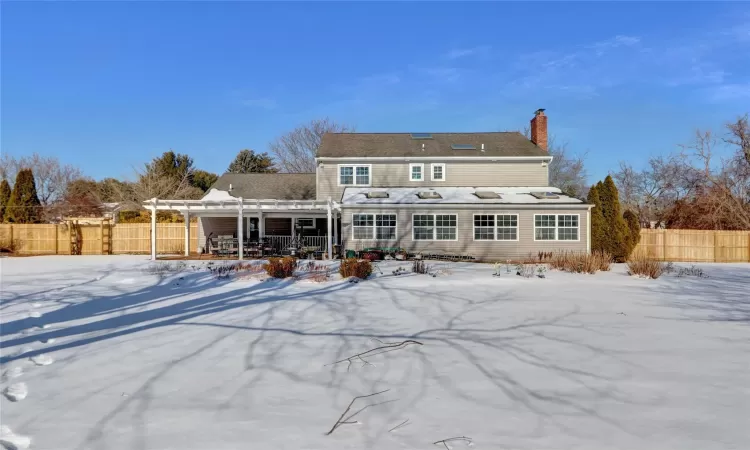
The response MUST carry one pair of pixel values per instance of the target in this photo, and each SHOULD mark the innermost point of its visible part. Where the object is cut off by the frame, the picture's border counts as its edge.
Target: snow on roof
(456, 195)
(218, 195)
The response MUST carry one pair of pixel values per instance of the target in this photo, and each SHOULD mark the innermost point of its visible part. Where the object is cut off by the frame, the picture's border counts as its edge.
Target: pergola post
(153, 229)
(261, 225)
(336, 228)
(186, 215)
(240, 229)
(328, 231)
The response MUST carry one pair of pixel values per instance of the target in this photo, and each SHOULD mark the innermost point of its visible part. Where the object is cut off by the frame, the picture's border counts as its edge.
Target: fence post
(12, 247)
(664, 244)
(57, 227)
(101, 237)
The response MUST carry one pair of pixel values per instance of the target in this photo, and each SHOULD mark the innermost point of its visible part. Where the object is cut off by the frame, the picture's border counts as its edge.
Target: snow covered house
(483, 195)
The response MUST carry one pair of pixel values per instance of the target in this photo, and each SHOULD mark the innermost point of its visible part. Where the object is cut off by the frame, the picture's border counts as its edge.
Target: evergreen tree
(24, 205)
(634, 230)
(247, 161)
(204, 180)
(615, 241)
(597, 220)
(4, 197)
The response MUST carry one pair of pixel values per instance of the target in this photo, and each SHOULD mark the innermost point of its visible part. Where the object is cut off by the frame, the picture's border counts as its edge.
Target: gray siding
(465, 244)
(396, 174)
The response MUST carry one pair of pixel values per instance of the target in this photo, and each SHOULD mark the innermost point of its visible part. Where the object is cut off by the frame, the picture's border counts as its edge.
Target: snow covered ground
(105, 353)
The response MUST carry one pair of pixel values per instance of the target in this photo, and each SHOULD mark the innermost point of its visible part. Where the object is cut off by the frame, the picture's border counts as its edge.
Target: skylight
(421, 135)
(486, 195)
(545, 195)
(377, 194)
(463, 147)
(428, 195)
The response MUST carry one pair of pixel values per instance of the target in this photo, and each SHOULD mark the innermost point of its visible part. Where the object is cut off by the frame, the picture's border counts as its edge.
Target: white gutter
(435, 158)
(578, 206)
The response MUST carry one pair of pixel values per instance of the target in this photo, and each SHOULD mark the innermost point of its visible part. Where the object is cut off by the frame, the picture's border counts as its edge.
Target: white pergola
(241, 208)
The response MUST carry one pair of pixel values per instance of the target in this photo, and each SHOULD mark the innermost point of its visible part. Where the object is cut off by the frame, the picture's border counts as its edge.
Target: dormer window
(416, 172)
(438, 172)
(354, 175)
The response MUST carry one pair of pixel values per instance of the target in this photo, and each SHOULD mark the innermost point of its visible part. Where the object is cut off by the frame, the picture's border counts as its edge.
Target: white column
(153, 230)
(294, 232)
(328, 237)
(261, 225)
(336, 228)
(186, 215)
(240, 229)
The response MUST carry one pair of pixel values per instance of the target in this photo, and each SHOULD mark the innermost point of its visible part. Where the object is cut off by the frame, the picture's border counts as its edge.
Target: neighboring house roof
(341, 145)
(459, 195)
(282, 186)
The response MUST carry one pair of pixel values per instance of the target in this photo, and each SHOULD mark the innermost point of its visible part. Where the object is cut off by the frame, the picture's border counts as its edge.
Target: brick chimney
(539, 129)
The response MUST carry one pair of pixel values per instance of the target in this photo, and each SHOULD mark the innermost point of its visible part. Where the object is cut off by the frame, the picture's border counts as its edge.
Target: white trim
(557, 228)
(428, 158)
(434, 227)
(375, 225)
(232, 205)
(354, 167)
(476, 206)
(421, 171)
(588, 231)
(432, 171)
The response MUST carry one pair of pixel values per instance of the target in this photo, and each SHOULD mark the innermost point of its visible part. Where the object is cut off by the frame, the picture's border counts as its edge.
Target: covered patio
(233, 226)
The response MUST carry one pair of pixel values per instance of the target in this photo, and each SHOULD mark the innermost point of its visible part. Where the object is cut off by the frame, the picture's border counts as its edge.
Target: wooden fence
(97, 239)
(695, 245)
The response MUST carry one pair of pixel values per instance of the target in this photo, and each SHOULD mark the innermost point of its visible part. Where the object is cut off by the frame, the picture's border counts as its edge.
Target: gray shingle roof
(340, 145)
(282, 186)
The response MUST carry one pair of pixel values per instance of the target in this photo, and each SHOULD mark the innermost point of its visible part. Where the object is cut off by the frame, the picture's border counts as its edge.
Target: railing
(282, 242)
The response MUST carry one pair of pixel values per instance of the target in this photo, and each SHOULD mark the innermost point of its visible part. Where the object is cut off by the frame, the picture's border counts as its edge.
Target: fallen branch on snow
(459, 438)
(399, 425)
(376, 351)
(347, 420)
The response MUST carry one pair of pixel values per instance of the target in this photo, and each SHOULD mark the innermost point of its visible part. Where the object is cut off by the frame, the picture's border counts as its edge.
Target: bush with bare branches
(581, 262)
(645, 266)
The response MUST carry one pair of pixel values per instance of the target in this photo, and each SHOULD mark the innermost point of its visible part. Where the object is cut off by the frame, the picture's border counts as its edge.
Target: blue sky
(109, 85)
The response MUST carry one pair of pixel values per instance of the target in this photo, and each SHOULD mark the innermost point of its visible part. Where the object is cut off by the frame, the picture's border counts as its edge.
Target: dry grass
(644, 266)
(581, 262)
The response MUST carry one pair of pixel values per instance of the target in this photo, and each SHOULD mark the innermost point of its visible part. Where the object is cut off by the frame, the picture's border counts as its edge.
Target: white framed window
(545, 227)
(423, 227)
(385, 226)
(484, 227)
(445, 227)
(373, 226)
(507, 227)
(354, 175)
(416, 172)
(567, 227)
(434, 227)
(556, 227)
(362, 226)
(438, 172)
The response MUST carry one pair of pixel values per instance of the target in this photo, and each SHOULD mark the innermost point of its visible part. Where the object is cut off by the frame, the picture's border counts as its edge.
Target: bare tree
(739, 135)
(51, 177)
(567, 170)
(297, 149)
(653, 190)
(722, 200)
